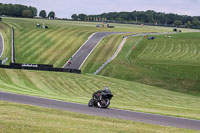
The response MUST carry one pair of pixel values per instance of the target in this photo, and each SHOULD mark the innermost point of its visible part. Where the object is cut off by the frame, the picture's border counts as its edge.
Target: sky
(65, 8)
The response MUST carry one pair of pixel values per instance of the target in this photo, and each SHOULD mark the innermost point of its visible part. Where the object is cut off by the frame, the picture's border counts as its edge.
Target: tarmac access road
(1, 44)
(85, 50)
(114, 113)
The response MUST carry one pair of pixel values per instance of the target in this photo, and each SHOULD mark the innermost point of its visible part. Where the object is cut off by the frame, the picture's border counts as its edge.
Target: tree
(195, 22)
(74, 17)
(188, 24)
(27, 14)
(43, 14)
(178, 23)
(33, 10)
(51, 15)
(82, 17)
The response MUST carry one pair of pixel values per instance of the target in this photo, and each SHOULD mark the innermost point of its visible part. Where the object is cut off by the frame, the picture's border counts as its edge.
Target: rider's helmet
(105, 88)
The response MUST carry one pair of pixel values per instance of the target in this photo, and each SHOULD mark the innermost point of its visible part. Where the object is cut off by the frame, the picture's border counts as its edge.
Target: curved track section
(85, 50)
(122, 114)
(1, 45)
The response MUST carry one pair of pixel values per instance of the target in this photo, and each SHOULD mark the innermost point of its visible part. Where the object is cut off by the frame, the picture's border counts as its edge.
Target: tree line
(142, 17)
(17, 10)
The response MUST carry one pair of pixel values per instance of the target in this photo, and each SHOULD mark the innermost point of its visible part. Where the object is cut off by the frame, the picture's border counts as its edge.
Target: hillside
(60, 41)
(168, 62)
(79, 88)
(159, 76)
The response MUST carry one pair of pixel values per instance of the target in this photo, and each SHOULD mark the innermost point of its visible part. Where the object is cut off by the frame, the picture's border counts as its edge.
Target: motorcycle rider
(70, 61)
(97, 94)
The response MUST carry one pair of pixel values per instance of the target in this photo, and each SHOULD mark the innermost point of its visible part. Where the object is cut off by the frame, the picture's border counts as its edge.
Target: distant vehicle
(151, 38)
(101, 98)
(109, 26)
(37, 25)
(175, 30)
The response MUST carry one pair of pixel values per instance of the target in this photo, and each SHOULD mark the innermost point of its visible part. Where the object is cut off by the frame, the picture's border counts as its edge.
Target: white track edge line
(3, 44)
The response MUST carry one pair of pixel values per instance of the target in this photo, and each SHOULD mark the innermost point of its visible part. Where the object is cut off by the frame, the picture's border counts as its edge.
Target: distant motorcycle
(69, 63)
(101, 99)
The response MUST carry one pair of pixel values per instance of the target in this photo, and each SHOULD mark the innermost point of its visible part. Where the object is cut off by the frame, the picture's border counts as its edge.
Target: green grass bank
(79, 88)
(20, 118)
(167, 62)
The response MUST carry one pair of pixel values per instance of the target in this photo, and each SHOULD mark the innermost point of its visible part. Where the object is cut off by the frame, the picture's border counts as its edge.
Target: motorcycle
(101, 99)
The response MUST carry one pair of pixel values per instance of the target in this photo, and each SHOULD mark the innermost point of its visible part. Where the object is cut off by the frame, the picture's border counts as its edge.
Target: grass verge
(20, 118)
(79, 88)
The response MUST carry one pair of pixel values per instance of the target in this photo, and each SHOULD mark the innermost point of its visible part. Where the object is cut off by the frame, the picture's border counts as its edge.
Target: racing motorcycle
(101, 99)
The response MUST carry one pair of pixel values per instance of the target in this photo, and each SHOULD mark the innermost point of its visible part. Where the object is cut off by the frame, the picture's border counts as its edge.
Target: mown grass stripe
(184, 50)
(52, 48)
(63, 50)
(25, 42)
(14, 82)
(26, 33)
(35, 39)
(36, 47)
(15, 25)
(177, 52)
(43, 48)
(63, 41)
(159, 54)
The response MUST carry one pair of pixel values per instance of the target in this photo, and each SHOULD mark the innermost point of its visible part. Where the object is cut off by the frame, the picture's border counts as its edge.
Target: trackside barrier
(13, 44)
(40, 67)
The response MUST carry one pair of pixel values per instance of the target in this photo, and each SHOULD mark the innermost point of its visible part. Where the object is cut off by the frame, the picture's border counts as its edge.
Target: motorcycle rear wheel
(104, 103)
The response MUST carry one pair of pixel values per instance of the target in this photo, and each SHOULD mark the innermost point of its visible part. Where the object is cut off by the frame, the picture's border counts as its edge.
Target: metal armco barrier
(13, 44)
(40, 67)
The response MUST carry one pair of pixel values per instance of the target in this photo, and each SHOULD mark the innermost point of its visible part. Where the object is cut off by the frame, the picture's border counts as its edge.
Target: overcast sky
(65, 8)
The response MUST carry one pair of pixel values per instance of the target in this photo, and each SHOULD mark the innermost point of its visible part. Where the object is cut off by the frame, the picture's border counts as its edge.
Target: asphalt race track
(81, 55)
(1, 45)
(122, 114)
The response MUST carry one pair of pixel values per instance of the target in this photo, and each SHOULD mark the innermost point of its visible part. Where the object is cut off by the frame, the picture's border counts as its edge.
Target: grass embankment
(24, 118)
(79, 88)
(46, 46)
(171, 63)
(60, 41)
(106, 48)
(6, 33)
